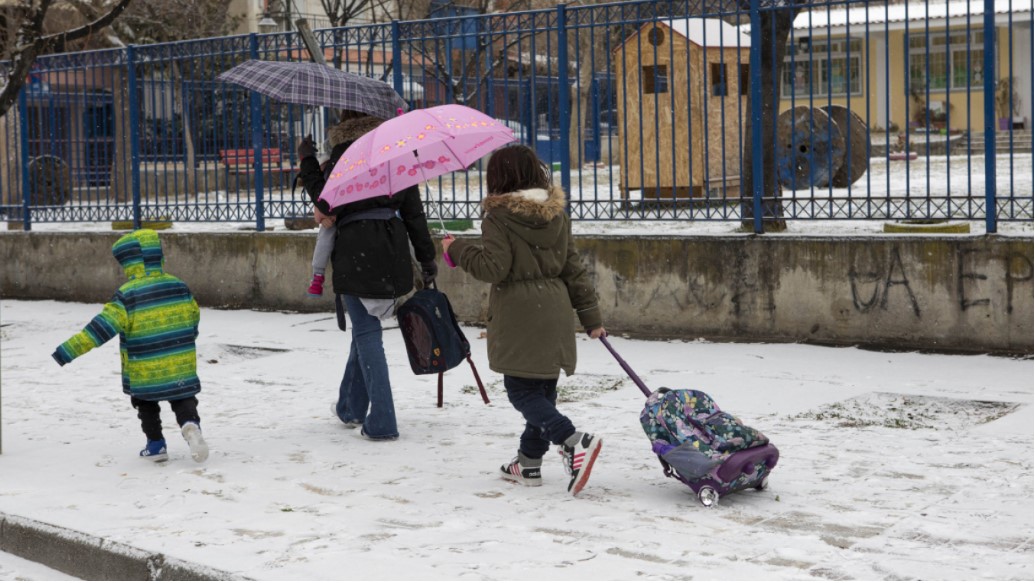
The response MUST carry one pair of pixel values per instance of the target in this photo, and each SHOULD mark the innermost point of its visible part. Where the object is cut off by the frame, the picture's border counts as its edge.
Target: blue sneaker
(155, 451)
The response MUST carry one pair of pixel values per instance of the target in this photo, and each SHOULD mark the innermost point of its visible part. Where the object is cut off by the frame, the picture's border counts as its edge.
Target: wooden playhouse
(681, 93)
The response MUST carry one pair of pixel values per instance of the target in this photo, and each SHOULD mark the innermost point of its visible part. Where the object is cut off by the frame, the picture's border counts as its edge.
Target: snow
(888, 469)
(14, 568)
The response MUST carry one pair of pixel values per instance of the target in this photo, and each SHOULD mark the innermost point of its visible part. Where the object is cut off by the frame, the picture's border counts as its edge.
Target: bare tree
(158, 21)
(31, 42)
(342, 12)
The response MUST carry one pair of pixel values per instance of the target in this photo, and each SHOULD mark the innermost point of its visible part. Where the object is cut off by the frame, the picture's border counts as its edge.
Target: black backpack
(434, 341)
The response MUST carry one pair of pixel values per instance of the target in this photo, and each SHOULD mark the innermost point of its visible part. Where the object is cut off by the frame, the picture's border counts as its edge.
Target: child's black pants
(150, 417)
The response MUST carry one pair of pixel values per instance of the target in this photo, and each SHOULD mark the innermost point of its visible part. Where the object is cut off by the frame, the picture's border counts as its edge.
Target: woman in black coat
(372, 267)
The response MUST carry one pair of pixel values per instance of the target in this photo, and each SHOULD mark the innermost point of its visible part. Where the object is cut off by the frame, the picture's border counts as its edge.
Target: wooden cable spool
(810, 148)
(857, 146)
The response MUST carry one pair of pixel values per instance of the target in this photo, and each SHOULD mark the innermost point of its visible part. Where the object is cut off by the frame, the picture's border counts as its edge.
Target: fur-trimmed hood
(350, 130)
(533, 214)
(534, 203)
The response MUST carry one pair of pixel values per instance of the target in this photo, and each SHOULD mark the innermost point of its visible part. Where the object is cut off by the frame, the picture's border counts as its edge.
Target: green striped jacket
(156, 318)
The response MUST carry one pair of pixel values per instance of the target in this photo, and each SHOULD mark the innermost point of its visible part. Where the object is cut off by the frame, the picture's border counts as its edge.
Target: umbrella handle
(445, 255)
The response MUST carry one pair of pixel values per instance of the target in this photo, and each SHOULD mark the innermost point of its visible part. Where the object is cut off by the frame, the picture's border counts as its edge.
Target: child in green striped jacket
(156, 318)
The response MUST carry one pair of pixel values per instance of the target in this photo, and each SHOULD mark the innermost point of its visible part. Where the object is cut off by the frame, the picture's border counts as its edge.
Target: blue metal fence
(753, 110)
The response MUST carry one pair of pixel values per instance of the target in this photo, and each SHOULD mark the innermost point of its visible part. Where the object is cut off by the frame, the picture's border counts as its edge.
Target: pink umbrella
(412, 148)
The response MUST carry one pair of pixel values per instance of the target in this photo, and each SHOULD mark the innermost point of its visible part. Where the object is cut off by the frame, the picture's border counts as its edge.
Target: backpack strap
(477, 379)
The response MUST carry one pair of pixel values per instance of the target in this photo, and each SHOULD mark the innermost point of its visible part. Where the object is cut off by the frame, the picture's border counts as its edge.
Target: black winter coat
(371, 257)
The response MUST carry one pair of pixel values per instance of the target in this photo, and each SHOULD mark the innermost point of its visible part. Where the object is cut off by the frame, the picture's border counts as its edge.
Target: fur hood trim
(534, 203)
(350, 130)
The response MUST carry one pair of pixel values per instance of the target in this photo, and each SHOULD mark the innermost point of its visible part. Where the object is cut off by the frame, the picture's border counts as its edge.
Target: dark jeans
(149, 414)
(536, 399)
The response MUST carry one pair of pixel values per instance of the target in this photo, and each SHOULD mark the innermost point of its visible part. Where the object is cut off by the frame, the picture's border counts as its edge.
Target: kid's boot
(523, 470)
(316, 286)
(579, 452)
(155, 451)
(191, 431)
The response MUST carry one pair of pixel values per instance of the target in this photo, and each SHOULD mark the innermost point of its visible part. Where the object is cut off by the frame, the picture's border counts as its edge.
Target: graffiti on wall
(874, 279)
(877, 278)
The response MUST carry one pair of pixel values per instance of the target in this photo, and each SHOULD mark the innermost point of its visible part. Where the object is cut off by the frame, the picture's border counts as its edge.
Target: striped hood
(139, 253)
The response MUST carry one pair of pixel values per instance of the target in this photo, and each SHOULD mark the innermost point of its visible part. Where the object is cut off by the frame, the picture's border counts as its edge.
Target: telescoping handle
(625, 366)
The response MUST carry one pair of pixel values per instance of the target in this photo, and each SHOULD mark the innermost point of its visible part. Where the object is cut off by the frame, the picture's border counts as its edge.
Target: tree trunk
(121, 189)
(775, 30)
(188, 134)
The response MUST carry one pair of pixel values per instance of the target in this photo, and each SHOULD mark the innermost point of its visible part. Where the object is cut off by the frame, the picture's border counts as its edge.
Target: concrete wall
(954, 293)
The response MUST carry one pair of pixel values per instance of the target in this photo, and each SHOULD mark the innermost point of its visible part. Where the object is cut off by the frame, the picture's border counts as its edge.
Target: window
(822, 68)
(655, 79)
(939, 63)
(745, 79)
(718, 79)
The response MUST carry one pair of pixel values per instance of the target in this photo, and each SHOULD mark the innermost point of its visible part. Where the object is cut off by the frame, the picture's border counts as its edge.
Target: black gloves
(428, 271)
(306, 148)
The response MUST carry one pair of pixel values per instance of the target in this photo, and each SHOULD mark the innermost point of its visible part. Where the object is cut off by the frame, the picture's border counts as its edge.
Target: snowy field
(893, 465)
(14, 568)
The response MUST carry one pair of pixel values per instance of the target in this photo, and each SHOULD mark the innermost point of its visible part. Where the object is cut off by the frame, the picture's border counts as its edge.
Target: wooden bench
(241, 160)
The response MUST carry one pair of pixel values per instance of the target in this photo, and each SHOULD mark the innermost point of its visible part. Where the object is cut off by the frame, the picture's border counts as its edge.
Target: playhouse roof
(709, 32)
(897, 15)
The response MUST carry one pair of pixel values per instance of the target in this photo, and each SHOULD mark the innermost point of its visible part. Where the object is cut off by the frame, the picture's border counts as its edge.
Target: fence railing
(751, 110)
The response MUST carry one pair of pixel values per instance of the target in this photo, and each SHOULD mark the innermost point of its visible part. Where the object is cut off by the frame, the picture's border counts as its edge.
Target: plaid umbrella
(316, 84)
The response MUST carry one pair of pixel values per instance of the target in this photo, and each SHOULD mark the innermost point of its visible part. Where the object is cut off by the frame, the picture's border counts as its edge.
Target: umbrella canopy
(413, 148)
(316, 84)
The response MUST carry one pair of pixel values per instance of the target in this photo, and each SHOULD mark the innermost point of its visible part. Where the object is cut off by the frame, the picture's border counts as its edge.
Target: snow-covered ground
(893, 465)
(13, 568)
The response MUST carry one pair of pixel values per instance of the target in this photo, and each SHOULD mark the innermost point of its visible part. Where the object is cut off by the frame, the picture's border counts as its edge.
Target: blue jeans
(536, 400)
(365, 385)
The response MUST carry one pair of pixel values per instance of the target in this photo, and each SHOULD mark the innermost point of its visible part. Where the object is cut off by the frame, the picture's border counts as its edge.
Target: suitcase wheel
(708, 496)
(763, 484)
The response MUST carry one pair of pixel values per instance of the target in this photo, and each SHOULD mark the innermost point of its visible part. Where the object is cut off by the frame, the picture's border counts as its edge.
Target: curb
(93, 558)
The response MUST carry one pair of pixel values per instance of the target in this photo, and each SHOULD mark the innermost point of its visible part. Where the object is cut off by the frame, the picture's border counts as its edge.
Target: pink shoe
(316, 286)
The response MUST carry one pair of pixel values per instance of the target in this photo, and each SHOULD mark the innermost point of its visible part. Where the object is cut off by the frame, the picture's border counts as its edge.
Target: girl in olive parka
(539, 285)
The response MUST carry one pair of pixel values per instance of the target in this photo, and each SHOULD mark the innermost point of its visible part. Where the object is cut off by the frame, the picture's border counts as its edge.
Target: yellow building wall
(896, 79)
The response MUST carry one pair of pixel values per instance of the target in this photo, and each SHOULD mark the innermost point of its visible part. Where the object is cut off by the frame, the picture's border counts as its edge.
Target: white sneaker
(578, 460)
(198, 448)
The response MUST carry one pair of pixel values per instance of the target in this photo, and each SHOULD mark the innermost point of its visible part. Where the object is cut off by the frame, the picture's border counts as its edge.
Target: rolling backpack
(434, 341)
(699, 444)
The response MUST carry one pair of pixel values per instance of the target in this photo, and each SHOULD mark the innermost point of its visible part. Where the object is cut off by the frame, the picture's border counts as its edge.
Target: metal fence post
(257, 143)
(23, 144)
(134, 133)
(564, 101)
(397, 72)
(757, 177)
(990, 124)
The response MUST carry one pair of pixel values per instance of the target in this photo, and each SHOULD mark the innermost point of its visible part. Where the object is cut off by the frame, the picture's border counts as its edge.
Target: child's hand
(597, 332)
(322, 219)
(446, 242)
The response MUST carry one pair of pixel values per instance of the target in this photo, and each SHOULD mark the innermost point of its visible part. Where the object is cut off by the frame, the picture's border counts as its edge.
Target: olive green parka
(539, 284)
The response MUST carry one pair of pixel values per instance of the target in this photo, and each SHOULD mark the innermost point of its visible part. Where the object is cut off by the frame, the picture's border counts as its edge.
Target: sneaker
(363, 434)
(155, 451)
(351, 424)
(316, 286)
(523, 470)
(578, 460)
(198, 448)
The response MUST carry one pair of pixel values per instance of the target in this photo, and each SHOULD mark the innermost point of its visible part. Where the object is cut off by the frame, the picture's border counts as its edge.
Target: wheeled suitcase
(700, 445)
